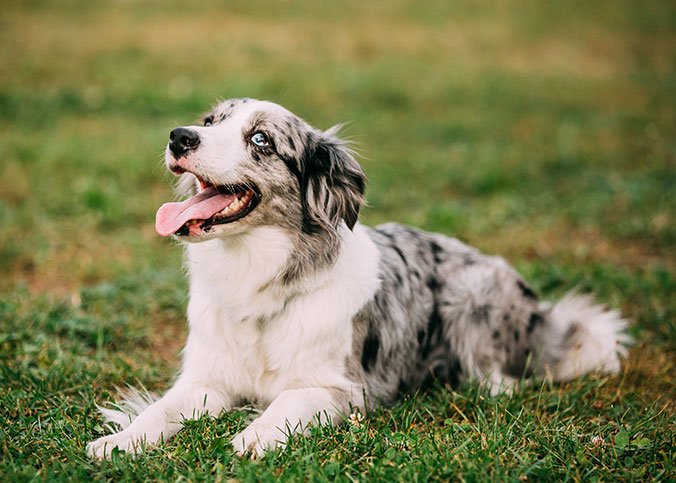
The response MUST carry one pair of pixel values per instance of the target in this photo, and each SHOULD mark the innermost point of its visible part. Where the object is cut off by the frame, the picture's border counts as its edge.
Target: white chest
(255, 336)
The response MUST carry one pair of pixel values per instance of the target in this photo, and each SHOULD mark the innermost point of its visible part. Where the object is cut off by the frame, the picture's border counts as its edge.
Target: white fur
(133, 402)
(244, 342)
(599, 339)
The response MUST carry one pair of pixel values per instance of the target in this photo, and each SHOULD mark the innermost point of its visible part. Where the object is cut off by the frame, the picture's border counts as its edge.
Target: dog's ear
(332, 183)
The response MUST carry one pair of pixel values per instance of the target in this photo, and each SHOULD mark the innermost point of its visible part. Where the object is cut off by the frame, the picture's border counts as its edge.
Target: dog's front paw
(259, 438)
(103, 447)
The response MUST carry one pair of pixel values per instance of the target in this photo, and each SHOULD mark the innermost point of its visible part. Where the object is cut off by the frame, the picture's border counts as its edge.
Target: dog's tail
(577, 336)
(132, 402)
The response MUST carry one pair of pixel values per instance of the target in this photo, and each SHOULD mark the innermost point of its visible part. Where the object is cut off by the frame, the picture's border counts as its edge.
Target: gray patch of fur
(443, 311)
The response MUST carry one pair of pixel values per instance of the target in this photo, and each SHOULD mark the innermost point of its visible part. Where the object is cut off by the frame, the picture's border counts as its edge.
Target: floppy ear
(332, 183)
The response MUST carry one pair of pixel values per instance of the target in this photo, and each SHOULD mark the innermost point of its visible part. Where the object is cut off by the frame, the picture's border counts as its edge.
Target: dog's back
(446, 311)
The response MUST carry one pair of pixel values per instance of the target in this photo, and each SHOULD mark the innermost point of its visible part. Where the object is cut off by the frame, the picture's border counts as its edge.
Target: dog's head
(254, 163)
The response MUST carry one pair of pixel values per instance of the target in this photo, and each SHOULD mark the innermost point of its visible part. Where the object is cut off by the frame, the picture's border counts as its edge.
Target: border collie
(297, 307)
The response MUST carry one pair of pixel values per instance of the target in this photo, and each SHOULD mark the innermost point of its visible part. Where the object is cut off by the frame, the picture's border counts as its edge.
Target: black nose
(182, 140)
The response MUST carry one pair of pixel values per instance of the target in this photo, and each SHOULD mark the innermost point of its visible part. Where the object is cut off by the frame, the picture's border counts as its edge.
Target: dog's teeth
(237, 204)
(232, 207)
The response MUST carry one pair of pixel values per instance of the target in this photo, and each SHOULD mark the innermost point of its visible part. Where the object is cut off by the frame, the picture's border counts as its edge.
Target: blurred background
(541, 131)
(529, 128)
(536, 129)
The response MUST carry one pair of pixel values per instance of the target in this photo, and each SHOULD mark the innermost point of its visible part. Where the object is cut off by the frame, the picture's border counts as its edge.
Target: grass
(540, 131)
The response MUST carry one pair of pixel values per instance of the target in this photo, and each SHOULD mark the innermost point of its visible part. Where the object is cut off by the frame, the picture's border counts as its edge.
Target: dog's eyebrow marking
(257, 121)
(224, 110)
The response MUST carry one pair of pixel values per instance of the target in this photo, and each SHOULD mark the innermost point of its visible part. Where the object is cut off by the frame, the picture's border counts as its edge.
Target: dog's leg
(291, 412)
(162, 419)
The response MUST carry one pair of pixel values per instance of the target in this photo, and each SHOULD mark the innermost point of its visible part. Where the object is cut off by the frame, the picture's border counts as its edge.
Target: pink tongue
(172, 216)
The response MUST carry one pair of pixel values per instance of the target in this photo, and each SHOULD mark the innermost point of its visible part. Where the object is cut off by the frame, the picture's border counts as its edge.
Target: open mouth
(213, 205)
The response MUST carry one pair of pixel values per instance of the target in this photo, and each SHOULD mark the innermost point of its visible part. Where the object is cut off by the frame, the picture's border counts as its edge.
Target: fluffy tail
(580, 336)
(132, 403)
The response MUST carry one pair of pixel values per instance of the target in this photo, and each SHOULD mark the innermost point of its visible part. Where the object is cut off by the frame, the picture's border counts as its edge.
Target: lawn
(541, 131)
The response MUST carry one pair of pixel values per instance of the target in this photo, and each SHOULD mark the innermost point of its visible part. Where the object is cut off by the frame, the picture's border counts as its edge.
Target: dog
(297, 307)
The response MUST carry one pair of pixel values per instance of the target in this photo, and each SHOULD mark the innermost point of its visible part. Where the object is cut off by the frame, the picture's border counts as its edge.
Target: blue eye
(260, 139)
